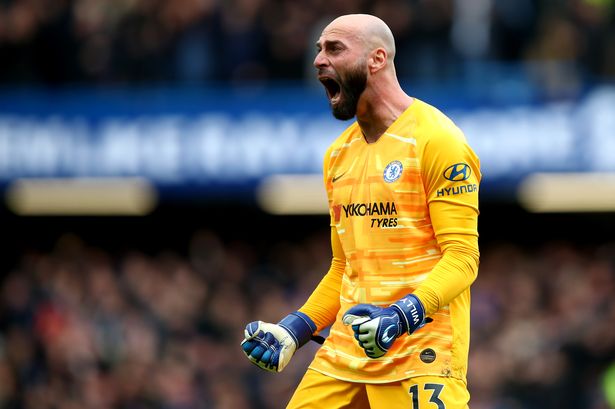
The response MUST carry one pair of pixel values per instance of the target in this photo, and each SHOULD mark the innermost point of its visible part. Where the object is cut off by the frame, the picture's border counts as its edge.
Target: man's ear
(377, 60)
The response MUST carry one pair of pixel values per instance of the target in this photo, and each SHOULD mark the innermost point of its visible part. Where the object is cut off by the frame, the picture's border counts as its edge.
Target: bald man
(402, 185)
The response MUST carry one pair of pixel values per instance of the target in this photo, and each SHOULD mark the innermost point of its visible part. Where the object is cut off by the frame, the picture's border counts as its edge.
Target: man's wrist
(299, 326)
(411, 311)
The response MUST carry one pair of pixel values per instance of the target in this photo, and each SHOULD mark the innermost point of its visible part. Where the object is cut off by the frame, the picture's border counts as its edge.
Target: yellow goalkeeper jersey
(379, 199)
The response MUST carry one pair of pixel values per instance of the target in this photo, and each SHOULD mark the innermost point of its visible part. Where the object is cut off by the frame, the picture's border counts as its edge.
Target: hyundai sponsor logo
(457, 172)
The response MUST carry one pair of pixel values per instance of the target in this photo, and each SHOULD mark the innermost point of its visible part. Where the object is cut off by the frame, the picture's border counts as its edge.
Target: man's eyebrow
(329, 43)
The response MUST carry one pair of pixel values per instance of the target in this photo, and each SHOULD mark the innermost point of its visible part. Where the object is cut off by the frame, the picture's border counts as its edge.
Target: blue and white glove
(270, 346)
(376, 328)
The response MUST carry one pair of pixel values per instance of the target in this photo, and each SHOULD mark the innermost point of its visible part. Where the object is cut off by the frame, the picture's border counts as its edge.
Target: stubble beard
(352, 86)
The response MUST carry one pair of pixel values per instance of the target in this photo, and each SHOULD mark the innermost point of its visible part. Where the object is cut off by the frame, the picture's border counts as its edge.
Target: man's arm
(324, 303)
(270, 346)
(451, 174)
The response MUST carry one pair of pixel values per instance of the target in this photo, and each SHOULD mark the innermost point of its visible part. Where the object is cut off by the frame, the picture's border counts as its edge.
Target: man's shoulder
(429, 115)
(432, 123)
(350, 133)
(340, 143)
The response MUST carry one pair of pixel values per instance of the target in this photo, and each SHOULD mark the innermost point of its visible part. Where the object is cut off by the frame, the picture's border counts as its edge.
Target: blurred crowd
(81, 327)
(198, 41)
(542, 326)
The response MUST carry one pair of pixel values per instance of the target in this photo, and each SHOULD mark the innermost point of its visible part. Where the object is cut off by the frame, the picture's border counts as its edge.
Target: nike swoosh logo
(337, 177)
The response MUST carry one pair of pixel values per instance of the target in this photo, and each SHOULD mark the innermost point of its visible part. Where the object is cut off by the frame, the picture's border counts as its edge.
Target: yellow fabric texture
(404, 214)
(317, 391)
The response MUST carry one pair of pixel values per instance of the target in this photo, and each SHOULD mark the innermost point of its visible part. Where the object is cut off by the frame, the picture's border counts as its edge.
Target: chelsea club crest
(393, 171)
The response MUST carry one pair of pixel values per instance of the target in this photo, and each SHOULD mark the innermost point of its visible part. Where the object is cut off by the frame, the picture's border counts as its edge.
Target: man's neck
(375, 115)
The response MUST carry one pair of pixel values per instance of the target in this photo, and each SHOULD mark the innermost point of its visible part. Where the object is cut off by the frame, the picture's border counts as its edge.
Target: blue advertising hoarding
(212, 141)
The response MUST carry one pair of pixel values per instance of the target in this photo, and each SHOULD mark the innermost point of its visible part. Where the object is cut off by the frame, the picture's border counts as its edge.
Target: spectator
(199, 41)
(82, 327)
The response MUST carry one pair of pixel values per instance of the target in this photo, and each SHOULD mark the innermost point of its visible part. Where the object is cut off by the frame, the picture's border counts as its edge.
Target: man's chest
(376, 182)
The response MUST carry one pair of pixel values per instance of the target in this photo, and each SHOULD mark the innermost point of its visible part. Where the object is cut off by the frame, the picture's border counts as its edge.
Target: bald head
(355, 64)
(370, 30)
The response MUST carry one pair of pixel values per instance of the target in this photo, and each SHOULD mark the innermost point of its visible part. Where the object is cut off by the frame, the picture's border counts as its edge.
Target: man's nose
(320, 60)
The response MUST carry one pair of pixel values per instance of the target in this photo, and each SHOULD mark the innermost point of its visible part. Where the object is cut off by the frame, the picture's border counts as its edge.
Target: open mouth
(332, 87)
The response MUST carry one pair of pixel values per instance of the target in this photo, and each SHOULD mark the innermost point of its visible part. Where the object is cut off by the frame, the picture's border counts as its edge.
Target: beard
(351, 87)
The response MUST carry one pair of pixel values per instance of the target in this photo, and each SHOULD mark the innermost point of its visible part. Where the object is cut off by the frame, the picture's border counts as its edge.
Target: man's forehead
(337, 33)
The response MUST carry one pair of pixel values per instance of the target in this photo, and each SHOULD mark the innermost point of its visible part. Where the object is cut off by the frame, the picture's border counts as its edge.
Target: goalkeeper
(402, 185)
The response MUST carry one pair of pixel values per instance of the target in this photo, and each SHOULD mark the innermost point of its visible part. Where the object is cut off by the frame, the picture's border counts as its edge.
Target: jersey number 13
(435, 389)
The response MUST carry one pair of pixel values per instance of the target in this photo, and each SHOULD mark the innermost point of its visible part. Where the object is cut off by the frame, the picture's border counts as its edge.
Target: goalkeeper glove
(270, 346)
(376, 328)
